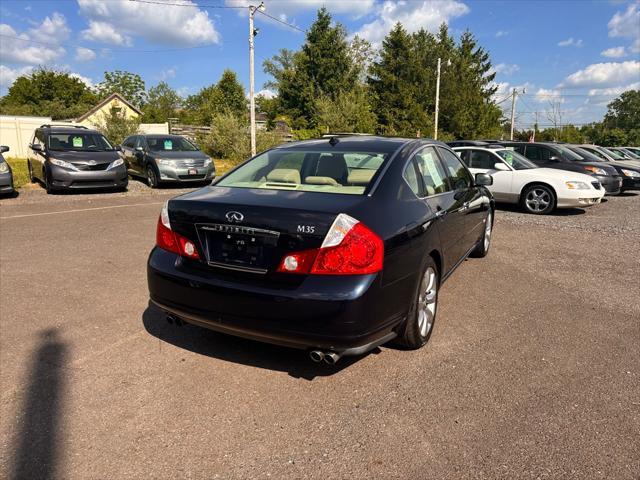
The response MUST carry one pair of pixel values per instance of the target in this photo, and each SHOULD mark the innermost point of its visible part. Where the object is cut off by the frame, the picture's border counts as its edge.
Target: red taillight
(173, 242)
(350, 248)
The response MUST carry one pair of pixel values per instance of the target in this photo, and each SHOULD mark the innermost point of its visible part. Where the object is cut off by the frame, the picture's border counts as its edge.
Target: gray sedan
(166, 158)
(6, 175)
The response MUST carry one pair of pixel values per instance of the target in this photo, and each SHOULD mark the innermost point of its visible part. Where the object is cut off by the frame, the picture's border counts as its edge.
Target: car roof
(489, 148)
(66, 129)
(356, 143)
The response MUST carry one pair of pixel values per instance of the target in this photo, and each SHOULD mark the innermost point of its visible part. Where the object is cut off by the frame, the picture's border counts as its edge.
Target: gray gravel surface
(532, 371)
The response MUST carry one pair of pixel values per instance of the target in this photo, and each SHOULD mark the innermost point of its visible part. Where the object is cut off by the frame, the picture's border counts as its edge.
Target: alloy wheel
(151, 177)
(427, 301)
(487, 231)
(538, 200)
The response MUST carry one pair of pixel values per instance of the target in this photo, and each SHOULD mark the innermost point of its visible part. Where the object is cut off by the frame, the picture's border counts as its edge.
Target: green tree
(49, 93)
(162, 103)
(116, 126)
(323, 67)
(129, 85)
(394, 89)
(350, 112)
(226, 96)
(624, 111)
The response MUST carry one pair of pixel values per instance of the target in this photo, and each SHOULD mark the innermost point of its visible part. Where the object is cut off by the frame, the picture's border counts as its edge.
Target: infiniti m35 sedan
(334, 246)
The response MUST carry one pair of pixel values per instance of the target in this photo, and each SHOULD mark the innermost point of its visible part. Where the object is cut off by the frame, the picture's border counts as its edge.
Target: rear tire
(482, 249)
(152, 176)
(538, 199)
(422, 313)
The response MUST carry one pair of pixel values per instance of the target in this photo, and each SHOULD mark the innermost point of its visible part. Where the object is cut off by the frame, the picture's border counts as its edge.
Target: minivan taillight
(171, 241)
(349, 248)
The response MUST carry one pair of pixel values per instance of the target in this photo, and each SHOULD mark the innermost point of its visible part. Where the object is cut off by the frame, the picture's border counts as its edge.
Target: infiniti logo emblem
(234, 217)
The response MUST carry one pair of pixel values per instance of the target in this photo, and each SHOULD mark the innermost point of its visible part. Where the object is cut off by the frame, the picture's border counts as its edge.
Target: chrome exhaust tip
(331, 358)
(316, 355)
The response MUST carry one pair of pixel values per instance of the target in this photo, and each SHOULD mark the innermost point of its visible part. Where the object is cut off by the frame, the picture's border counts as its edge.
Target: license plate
(192, 171)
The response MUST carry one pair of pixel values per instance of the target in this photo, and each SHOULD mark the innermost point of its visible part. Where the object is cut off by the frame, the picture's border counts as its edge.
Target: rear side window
(312, 171)
(481, 159)
(536, 153)
(433, 175)
(459, 177)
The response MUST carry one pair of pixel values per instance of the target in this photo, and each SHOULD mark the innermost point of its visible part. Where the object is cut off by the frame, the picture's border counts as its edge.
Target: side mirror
(554, 158)
(501, 166)
(139, 149)
(36, 147)
(117, 148)
(4, 148)
(483, 179)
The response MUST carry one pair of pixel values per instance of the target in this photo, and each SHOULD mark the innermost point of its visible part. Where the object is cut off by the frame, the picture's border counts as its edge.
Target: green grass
(20, 171)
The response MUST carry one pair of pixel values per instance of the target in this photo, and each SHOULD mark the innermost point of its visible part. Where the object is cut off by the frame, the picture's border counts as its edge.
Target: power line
(290, 25)
(193, 5)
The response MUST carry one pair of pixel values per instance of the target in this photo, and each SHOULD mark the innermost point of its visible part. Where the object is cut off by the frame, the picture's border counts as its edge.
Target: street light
(252, 102)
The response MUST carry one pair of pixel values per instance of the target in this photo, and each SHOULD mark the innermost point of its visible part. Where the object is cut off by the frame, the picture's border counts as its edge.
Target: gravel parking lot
(532, 371)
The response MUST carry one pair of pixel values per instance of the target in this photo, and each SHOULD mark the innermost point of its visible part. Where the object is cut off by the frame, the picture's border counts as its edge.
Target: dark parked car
(555, 155)
(166, 158)
(69, 157)
(629, 172)
(333, 245)
(467, 143)
(6, 175)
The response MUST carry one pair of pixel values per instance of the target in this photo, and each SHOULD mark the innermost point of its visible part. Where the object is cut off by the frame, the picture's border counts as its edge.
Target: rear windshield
(308, 171)
(170, 144)
(79, 142)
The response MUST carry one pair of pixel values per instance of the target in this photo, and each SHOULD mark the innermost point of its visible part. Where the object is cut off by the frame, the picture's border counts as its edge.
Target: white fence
(16, 132)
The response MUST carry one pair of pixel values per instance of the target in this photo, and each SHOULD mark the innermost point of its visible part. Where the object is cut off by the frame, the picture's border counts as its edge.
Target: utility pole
(252, 101)
(513, 110)
(435, 126)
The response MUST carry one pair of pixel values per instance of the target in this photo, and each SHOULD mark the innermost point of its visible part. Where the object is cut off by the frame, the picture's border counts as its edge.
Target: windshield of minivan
(79, 142)
(515, 160)
(308, 171)
(170, 144)
(568, 153)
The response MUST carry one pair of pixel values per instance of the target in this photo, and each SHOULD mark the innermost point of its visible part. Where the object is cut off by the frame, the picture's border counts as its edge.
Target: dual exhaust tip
(318, 356)
(330, 358)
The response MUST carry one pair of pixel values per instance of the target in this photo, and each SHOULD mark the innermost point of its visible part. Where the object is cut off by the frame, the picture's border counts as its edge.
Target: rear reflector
(349, 248)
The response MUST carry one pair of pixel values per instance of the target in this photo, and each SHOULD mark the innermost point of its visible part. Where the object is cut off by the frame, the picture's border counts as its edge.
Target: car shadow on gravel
(561, 212)
(628, 194)
(239, 350)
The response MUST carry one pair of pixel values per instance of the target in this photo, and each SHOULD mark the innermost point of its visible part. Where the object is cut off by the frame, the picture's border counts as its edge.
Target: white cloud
(609, 74)
(86, 80)
(545, 95)
(501, 33)
(614, 52)
(427, 14)
(506, 69)
(84, 54)
(38, 45)
(167, 74)
(627, 25)
(104, 32)
(170, 24)
(269, 94)
(570, 42)
(8, 75)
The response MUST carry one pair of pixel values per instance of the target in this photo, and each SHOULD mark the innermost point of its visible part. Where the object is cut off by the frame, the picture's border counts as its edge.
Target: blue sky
(578, 53)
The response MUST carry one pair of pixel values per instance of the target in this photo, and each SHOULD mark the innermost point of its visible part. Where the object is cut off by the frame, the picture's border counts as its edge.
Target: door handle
(441, 214)
(465, 206)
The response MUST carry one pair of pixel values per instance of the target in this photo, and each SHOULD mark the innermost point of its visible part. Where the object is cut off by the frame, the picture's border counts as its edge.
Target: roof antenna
(333, 141)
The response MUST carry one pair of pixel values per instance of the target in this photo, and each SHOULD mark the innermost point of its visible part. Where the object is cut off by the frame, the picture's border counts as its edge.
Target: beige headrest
(361, 177)
(314, 180)
(284, 175)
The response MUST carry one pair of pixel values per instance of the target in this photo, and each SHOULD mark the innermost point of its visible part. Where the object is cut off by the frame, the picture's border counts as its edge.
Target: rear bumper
(61, 178)
(330, 313)
(173, 174)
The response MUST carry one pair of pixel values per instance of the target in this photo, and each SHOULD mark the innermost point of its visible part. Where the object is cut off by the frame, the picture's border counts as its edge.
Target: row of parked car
(544, 176)
(74, 157)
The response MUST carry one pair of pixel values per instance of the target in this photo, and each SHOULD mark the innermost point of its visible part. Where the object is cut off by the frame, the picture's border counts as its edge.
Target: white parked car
(538, 190)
